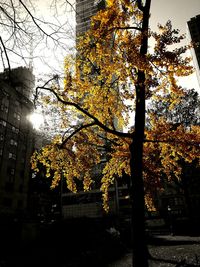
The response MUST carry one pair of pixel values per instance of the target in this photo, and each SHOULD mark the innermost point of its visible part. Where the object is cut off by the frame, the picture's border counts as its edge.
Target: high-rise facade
(85, 9)
(16, 139)
(194, 31)
(89, 204)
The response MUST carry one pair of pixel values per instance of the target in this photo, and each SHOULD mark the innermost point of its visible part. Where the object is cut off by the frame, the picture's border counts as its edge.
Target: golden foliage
(101, 79)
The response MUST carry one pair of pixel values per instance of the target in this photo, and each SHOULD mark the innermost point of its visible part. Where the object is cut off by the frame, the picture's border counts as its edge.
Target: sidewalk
(168, 251)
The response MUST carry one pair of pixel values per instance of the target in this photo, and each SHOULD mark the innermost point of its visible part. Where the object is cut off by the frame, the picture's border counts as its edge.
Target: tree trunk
(140, 251)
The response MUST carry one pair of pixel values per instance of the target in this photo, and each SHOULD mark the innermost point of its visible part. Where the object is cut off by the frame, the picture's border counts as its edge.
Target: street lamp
(170, 219)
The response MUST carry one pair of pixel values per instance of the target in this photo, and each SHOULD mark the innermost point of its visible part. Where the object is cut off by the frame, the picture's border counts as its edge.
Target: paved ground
(168, 251)
(85, 244)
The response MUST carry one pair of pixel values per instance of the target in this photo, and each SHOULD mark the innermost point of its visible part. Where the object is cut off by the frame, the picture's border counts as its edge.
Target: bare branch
(13, 21)
(7, 58)
(35, 20)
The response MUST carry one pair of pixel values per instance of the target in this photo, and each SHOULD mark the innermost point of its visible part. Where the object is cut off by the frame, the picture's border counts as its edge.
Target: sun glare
(36, 119)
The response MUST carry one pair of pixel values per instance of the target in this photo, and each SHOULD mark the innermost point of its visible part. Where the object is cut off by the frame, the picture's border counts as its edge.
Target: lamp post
(61, 195)
(170, 219)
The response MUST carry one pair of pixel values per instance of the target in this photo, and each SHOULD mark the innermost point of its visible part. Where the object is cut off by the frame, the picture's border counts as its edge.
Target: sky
(179, 12)
(52, 55)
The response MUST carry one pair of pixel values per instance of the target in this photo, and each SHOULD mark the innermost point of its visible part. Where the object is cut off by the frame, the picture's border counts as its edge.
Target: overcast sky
(179, 12)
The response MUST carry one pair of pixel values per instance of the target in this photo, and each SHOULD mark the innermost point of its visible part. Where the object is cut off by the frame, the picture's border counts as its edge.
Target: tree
(27, 36)
(112, 75)
(186, 113)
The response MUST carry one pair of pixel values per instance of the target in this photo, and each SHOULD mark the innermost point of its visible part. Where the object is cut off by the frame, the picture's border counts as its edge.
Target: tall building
(16, 140)
(89, 204)
(194, 32)
(85, 9)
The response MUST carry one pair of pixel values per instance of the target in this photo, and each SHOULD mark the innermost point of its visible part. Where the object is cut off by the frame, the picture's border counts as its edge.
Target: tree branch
(85, 112)
(35, 22)
(173, 141)
(12, 20)
(7, 58)
(139, 4)
(75, 132)
(127, 28)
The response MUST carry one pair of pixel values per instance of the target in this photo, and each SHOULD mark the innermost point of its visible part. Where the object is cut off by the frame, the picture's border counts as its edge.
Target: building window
(20, 203)
(17, 116)
(1, 137)
(11, 171)
(2, 123)
(4, 108)
(13, 142)
(5, 104)
(22, 173)
(1, 152)
(11, 179)
(21, 187)
(7, 202)
(18, 88)
(9, 187)
(11, 156)
(15, 130)
(17, 104)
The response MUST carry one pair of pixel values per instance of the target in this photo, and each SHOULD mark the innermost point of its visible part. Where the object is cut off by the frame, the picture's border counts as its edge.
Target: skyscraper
(194, 31)
(16, 140)
(85, 9)
(89, 204)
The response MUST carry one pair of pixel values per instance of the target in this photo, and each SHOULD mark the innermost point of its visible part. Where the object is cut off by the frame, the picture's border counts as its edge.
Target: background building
(84, 11)
(16, 140)
(194, 32)
(89, 204)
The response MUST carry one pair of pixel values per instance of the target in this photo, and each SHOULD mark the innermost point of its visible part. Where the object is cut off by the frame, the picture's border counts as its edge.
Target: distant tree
(112, 75)
(186, 113)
